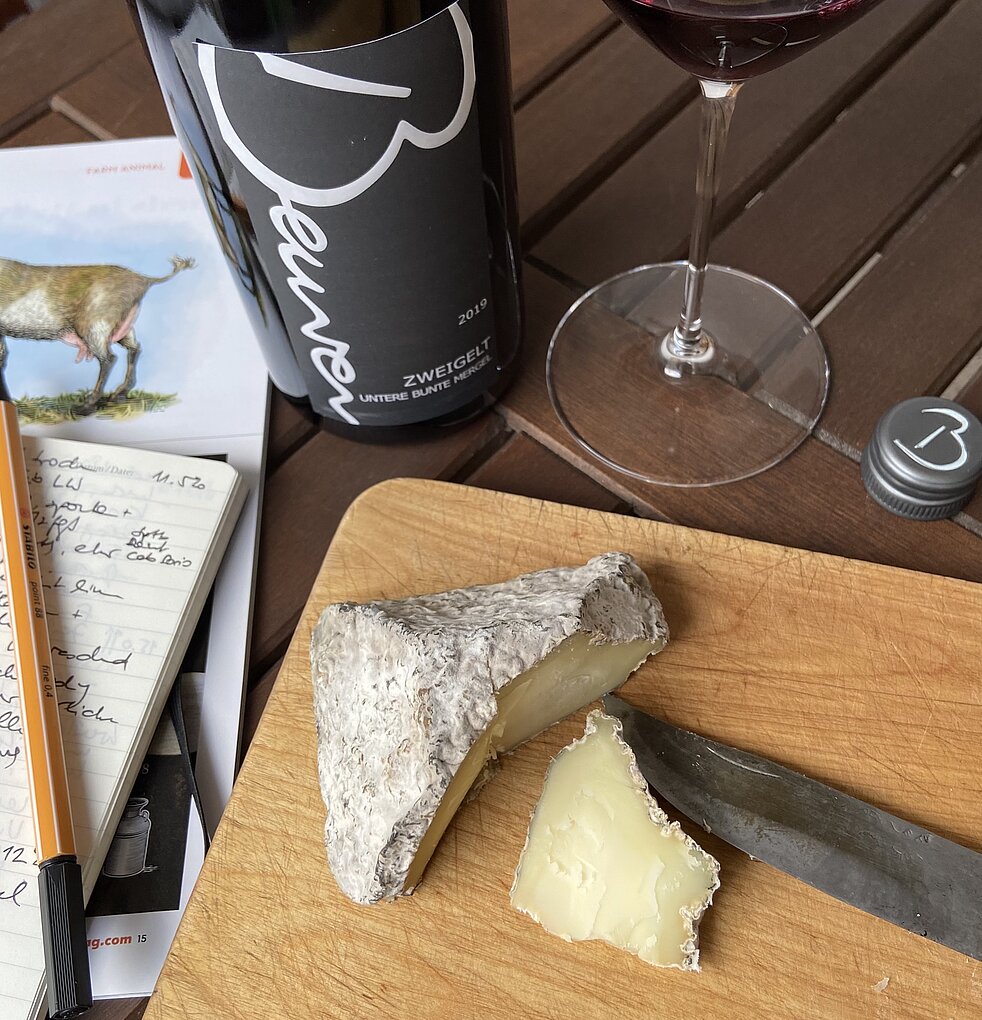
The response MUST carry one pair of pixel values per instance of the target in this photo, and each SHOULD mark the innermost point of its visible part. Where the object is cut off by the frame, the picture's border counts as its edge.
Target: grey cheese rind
(403, 690)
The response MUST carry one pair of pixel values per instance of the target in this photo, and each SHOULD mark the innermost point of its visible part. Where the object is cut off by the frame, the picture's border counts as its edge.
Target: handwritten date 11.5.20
(181, 481)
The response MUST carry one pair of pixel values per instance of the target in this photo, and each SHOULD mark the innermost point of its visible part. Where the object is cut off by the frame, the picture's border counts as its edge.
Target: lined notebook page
(130, 542)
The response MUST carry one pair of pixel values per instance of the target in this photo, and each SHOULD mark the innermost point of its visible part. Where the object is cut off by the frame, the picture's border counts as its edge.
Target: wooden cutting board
(864, 677)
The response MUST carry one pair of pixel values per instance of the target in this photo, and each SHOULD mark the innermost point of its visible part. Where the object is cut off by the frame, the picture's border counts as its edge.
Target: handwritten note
(130, 542)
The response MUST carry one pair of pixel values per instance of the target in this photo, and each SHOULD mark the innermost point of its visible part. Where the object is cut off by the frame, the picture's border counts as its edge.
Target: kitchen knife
(853, 851)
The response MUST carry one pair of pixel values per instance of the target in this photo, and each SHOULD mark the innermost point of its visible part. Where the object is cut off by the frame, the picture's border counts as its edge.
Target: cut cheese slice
(602, 860)
(412, 697)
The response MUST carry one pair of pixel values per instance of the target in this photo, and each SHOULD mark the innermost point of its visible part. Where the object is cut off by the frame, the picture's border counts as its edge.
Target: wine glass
(718, 374)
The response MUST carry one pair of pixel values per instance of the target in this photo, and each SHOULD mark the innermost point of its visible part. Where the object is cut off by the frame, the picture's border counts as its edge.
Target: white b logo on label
(955, 434)
(278, 67)
(302, 235)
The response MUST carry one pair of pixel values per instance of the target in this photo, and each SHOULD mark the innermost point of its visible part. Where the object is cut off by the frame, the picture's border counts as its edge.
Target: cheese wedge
(602, 860)
(412, 697)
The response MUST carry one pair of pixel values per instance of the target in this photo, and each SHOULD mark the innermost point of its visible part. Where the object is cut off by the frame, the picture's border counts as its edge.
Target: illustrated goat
(88, 307)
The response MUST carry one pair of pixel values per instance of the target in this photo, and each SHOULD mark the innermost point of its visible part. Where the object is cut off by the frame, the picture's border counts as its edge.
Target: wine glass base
(737, 407)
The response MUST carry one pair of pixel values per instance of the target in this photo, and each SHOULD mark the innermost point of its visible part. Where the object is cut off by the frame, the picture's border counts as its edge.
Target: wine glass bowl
(733, 40)
(718, 375)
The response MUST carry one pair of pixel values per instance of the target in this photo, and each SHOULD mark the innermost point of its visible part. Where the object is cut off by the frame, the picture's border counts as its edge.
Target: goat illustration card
(116, 305)
(89, 308)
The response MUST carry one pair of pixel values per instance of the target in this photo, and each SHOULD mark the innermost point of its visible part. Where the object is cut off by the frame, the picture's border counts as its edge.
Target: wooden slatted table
(853, 181)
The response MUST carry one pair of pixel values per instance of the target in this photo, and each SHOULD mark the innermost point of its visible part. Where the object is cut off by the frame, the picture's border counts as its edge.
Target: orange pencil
(66, 959)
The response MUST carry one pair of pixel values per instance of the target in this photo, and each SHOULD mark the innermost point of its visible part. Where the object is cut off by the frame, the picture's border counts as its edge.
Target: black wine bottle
(356, 158)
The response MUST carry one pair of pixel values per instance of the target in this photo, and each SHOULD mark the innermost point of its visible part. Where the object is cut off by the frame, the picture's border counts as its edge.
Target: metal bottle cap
(924, 459)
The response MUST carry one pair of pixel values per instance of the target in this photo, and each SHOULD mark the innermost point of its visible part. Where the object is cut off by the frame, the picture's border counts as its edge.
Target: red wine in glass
(732, 40)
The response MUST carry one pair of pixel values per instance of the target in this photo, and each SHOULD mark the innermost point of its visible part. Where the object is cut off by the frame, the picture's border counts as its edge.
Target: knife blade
(864, 856)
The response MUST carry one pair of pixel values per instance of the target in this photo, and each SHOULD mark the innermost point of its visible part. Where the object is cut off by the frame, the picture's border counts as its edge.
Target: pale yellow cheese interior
(596, 866)
(570, 677)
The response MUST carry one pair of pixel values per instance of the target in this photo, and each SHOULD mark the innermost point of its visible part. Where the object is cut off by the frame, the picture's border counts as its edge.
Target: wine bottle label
(360, 172)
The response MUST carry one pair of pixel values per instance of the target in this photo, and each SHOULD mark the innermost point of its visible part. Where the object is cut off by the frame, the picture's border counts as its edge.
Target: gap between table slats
(912, 321)
(526, 468)
(858, 183)
(41, 53)
(547, 37)
(48, 129)
(119, 99)
(588, 119)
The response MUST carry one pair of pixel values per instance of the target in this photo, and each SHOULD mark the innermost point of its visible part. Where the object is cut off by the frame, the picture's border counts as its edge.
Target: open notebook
(130, 541)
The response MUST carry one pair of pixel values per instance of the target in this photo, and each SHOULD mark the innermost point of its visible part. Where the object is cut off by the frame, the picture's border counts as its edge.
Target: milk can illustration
(128, 851)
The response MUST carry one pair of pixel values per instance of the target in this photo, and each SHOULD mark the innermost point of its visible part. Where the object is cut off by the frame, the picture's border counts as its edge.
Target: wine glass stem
(718, 100)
